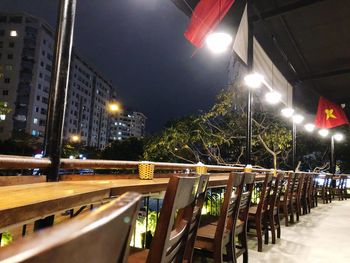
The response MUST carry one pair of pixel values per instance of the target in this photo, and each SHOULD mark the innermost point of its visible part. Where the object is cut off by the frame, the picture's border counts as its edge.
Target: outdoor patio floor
(322, 236)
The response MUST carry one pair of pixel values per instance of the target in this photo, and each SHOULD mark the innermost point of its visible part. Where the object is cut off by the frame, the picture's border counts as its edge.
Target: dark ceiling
(309, 41)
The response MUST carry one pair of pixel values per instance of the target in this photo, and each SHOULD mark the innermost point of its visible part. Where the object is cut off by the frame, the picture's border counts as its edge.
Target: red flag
(206, 16)
(329, 114)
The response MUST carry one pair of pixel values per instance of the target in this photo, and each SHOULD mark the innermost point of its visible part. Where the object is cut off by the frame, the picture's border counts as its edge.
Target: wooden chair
(287, 201)
(176, 216)
(242, 221)
(297, 193)
(325, 190)
(216, 237)
(272, 217)
(258, 213)
(101, 236)
(192, 233)
(315, 187)
(306, 195)
(340, 188)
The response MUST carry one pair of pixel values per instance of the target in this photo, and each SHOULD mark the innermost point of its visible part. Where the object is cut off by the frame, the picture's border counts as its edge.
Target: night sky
(139, 45)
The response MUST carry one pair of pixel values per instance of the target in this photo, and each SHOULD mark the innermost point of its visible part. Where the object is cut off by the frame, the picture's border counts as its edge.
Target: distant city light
(287, 112)
(338, 137)
(309, 127)
(218, 42)
(323, 132)
(253, 80)
(2, 117)
(114, 107)
(297, 118)
(273, 97)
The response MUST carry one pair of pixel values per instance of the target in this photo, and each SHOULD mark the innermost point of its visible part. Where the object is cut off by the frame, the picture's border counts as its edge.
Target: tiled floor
(322, 236)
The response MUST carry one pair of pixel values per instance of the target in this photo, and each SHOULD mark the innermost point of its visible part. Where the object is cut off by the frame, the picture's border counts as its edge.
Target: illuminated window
(13, 33)
(35, 121)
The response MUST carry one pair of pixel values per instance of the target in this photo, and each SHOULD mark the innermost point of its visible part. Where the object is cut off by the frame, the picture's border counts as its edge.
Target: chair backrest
(168, 244)
(288, 191)
(276, 191)
(264, 193)
(194, 224)
(229, 210)
(246, 196)
(298, 184)
(102, 236)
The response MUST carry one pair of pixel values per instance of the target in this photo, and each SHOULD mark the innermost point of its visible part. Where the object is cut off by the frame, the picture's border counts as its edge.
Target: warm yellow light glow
(218, 42)
(114, 107)
(75, 138)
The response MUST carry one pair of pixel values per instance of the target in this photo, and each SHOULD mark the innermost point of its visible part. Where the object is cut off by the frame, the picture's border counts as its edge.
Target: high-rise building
(128, 124)
(88, 96)
(26, 45)
(26, 57)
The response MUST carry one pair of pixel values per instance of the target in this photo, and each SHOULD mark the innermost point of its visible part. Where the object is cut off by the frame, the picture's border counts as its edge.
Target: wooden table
(21, 203)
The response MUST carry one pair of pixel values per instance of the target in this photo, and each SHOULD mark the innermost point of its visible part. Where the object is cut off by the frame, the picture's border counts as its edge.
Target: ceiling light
(297, 118)
(287, 112)
(273, 97)
(218, 42)
(338, 137)
(323, 132)
(309, 127)
(253, 80)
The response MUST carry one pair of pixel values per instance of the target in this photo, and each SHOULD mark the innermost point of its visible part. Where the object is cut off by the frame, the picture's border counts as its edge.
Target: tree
(130, 149)
(218, 136)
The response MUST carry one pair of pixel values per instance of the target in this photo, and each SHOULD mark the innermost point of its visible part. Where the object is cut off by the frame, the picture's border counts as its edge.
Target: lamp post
(297, 119)
(335, 137)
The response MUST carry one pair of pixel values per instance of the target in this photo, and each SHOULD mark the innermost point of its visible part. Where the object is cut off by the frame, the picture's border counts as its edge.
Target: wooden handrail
(24, 162)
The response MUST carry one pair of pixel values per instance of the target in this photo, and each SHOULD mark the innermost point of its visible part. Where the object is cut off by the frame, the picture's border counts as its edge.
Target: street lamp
(337, 137)
(287, 112)
(253, 80)
(309, 127)
(297, 118)
(111, 108)
(323, 132)
(218, 42)
(75, 138)
(273, 97)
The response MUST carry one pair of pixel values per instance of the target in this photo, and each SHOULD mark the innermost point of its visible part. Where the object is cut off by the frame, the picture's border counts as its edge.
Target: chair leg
(286, 214)
(242, 237)
(259, 233)
(273, 230)
(278, 226)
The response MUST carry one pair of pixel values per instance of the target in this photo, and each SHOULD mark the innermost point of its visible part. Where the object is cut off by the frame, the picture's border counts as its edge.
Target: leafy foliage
(130, 149)
(218, 136)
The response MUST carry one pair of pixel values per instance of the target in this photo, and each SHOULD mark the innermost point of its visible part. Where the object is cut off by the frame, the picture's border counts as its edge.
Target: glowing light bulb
(218, 42)
(309, 127)
(273, 97)
(338, 137)
(253, 80)
(323, 132)
(287, 112)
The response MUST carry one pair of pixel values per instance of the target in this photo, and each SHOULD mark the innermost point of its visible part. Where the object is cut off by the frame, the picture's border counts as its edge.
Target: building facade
(26, 57)
(26, 45)
(128, 124)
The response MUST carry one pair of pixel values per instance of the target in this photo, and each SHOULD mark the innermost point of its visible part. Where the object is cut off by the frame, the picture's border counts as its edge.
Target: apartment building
(128, 124)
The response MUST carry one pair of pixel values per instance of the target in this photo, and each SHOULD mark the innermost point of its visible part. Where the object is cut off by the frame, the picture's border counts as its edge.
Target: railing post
(59, 86)
(58, 95)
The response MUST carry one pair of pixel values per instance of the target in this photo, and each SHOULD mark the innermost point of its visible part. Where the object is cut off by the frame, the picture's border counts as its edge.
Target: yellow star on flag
(329, 114)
